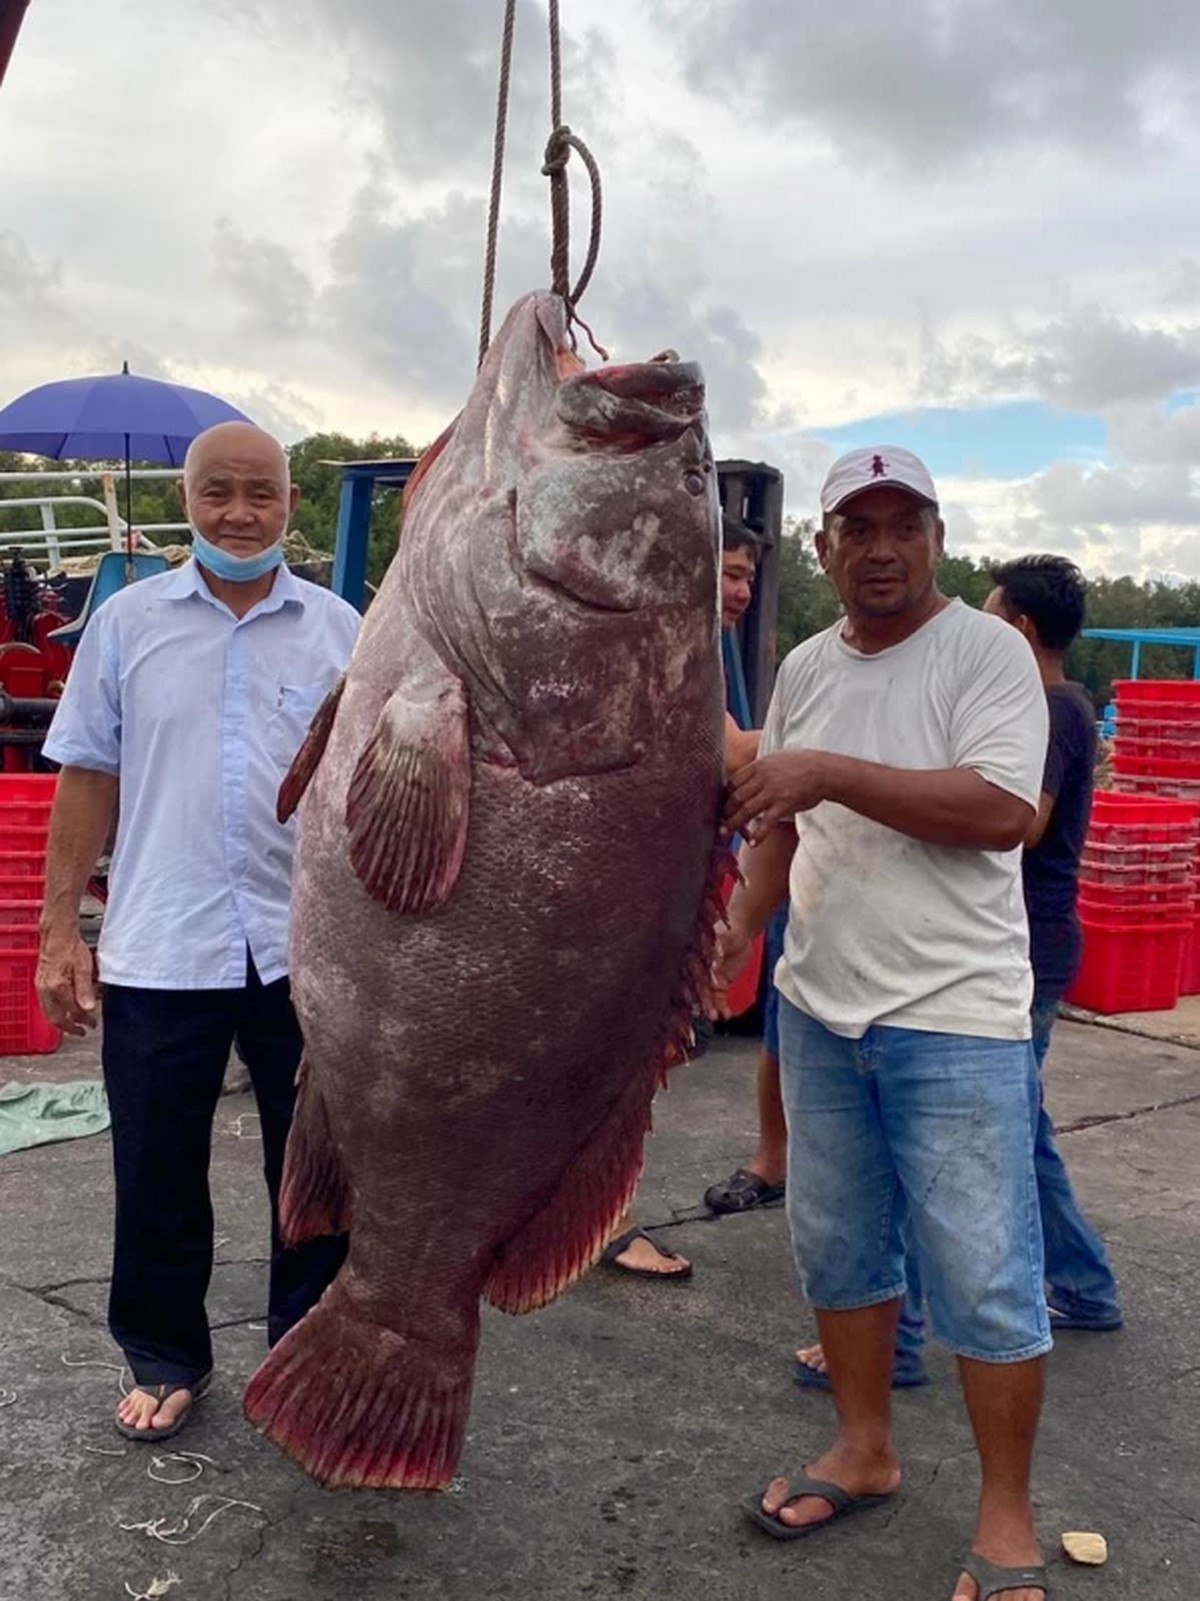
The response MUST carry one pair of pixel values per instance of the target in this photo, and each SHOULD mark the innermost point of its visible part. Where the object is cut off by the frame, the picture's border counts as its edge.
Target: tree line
(807, 602)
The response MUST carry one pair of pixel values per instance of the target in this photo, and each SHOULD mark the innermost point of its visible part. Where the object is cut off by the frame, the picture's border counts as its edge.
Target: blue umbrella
(110, 418)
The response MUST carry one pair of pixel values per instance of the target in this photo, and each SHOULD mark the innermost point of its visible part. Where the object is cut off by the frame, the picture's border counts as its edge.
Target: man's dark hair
(1049, 590)
(736, 536)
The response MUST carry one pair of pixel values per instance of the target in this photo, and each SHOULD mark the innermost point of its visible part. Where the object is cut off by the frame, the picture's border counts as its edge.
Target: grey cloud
(429, 72)
(1089, 359)
(26, 284)
(1185, 289)
(930, 83)
(277, 409)
(276, 295)
(1157, 436)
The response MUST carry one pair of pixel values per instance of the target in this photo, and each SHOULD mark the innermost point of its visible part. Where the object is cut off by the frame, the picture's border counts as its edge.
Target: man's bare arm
(84, 805)
(945, 806)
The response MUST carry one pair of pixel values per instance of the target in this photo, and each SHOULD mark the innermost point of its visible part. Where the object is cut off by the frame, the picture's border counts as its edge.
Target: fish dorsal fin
(407, 806)
(307, 758)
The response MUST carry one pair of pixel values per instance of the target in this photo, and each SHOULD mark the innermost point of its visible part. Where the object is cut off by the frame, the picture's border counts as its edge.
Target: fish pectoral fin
(408, 802)
(307, 758)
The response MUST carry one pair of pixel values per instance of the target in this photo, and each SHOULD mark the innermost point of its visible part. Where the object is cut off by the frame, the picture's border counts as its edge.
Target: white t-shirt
(883, 928)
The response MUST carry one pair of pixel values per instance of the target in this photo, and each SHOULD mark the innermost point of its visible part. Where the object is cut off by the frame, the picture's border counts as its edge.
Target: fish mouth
(629, 408)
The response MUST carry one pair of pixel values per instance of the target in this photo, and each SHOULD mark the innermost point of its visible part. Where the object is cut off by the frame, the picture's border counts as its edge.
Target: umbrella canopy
(112, 418)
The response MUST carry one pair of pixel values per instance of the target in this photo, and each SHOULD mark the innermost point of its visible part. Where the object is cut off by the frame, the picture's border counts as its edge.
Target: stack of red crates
(25, 802)
(1157, 748)
(1137, 894)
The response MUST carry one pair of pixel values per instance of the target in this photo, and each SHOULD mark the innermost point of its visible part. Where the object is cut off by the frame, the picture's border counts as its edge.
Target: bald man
(188, 697)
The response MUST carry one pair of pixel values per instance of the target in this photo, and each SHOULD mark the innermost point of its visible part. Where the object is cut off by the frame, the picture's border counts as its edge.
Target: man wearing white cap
(899, 771)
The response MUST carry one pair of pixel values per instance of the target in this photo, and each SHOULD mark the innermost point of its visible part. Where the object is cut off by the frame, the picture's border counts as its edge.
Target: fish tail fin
(361, 1406)
(561, 1242)
(314, 1195)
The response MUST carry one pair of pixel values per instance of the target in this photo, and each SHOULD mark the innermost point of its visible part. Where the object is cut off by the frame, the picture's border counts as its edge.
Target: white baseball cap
(874, 467)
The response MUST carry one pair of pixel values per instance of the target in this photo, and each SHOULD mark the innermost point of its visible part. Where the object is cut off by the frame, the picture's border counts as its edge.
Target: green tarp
(38, 1114)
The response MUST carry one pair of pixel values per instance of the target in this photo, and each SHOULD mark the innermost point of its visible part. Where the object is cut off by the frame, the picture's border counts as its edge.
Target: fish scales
(503, 889)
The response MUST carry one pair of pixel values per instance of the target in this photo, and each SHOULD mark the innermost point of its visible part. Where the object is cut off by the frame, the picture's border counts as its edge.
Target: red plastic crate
(22, 864)
(1180, 695)
(28, 786)
(1137, 819)
(24, 814)
(1189, 977)
(21, 889)
(1155, 766)
(23, 1026)
(1129, 900)
(23, 840)
(20, 914)
(1130, 969)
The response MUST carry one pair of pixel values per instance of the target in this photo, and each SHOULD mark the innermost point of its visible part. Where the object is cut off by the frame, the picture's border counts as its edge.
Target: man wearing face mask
(189, 695)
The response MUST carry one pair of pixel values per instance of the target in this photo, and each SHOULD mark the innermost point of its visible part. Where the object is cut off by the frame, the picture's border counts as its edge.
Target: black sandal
(159, 1393)
(993, 1580)
(621, 1244)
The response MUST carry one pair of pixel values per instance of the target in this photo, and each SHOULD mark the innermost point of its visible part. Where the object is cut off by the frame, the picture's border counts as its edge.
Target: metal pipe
(20, 711)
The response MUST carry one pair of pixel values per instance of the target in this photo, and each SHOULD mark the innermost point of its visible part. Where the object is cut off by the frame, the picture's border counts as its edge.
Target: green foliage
(807, 603)
(320, 488)
(156, 500)
(807, 600)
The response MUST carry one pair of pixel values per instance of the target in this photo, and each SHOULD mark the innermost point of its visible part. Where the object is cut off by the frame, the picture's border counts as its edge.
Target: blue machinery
(1186, 638)
(751, 493)
(360, 479)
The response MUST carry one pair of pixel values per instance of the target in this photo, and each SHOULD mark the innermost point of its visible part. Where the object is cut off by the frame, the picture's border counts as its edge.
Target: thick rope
(498, 141)
(558, 150)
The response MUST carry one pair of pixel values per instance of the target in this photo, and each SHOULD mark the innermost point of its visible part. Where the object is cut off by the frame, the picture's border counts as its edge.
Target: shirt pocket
(293, 709)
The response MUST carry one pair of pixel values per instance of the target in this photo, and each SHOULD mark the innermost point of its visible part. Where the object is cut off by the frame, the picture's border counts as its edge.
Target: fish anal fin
(314, 1196)
(305, 762)
(562, 1241)
(408, 802)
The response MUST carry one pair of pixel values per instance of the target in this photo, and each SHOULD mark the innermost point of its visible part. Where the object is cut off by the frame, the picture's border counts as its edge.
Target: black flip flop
(842, 1502)
(993, 1580)
(616, 1247)
(160, 1392)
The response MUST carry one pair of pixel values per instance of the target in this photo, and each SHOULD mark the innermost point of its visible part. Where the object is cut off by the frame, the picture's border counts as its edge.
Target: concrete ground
(614, 1434)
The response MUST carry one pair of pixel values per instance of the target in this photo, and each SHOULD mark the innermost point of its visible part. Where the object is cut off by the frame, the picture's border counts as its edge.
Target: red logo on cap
(878, 467)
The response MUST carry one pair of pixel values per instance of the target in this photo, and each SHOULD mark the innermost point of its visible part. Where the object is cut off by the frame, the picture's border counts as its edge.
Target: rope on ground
(7, 1397)
(182, 1533)
(158, 1587)
(193, 1460)
(498, 141)
(90, 1362)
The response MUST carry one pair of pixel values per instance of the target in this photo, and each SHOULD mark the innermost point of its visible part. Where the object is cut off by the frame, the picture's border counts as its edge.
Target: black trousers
(165, 1054)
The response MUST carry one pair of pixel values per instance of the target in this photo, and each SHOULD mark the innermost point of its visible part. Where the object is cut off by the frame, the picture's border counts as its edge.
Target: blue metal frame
(1186, 638)
(359, 482)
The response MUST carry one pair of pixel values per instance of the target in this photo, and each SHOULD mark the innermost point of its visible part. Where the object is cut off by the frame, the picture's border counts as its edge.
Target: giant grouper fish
(506, 880)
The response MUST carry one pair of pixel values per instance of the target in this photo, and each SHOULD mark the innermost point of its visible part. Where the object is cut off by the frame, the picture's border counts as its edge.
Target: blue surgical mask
(238, 569)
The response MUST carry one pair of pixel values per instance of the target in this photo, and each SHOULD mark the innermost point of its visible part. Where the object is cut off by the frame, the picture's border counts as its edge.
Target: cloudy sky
(968, 226)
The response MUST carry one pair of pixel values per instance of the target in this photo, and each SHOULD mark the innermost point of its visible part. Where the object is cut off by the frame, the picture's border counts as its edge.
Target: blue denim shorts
(772, 951)
(932, 1130)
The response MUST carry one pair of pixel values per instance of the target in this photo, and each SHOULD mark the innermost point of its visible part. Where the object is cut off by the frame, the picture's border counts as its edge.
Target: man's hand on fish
(66, 985)
(773, 789)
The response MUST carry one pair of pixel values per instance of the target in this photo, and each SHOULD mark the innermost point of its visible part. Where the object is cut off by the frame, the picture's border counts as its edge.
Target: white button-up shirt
(199, 713)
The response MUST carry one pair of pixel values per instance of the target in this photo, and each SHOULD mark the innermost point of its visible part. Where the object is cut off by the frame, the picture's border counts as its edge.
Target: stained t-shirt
(1051, 868)
(884, 928)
